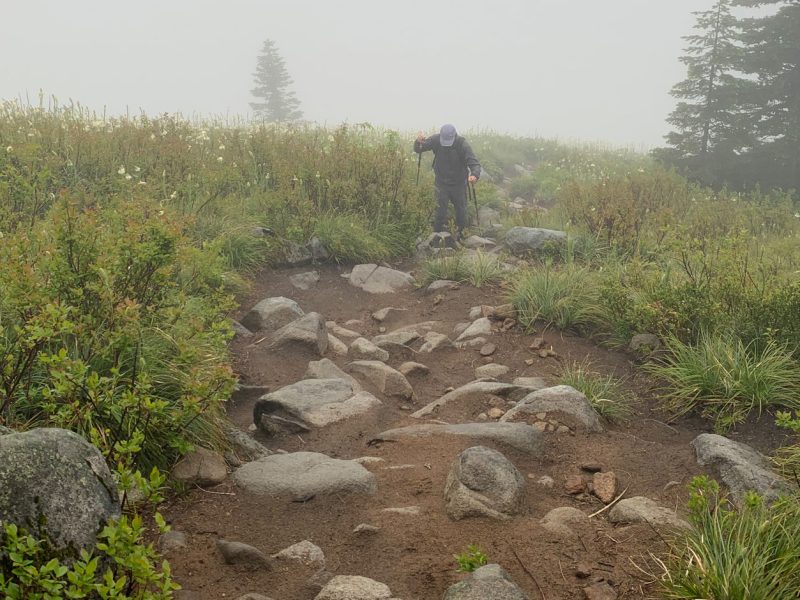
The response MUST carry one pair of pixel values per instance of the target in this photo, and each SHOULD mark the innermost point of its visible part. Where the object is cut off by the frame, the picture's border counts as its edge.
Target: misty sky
(595, 70)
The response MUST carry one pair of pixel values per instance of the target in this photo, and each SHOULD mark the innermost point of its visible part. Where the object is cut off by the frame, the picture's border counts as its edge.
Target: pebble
(488, 349)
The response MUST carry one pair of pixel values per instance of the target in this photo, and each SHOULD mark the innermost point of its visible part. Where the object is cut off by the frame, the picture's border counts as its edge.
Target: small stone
(487, 360)
(404, 510)
(354, 587)
(305, 553)
(671, 485)
(491, 371)
(605, 486)
(382, 329)
(413, 368)
(201, 467)
(537, 343)
(544, 353)
(600, 591)
(545, 481)
(563, 429)
(488, 349)
(173, 540)
(575, 485)
(591, 467)
(540, 426)
(482, 417)
(366, 529)
(495, 413)
(529, 361)
(237, 553)
(583, 570)
(304, 281)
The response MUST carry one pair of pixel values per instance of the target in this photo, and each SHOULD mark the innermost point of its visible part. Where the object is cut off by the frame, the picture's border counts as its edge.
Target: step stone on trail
(271, 314)
(202, 467)
(435, 341)
(308, 332)
(354, 587)
(243, 448)
(403, 337)
(337, 346)
(740, 467)
(312, 403)
(472, 390)
(238, 553)
(380, 280)
(441, 285)
(491, 371)
(643, 510)
(363, 349)
(305, 553)
(303, 475)
(384, 313)
(515, 435)
(562, 520)
(562, 400)
(54, 483)
(327, 369)
(304, 281)
(483, 483)
(341, 332)
(489, 582)
(414, 369)
(388, 381)
(479, 327)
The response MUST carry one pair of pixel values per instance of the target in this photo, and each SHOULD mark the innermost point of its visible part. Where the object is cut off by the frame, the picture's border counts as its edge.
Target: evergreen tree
(271, 79)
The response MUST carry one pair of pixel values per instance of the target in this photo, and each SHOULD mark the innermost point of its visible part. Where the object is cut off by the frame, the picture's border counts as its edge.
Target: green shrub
(726, 379)
(748, 554)
(470, 560)
(606, 393)
(524, 187)
(787, 459)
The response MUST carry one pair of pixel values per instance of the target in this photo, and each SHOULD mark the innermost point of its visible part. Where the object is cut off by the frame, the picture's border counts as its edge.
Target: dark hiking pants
(445, 194)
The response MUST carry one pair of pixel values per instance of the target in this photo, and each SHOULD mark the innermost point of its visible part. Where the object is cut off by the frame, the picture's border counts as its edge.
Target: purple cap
(447, 135)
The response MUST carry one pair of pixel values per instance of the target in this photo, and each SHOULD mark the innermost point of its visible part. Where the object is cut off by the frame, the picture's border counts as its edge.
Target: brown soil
(413, 555)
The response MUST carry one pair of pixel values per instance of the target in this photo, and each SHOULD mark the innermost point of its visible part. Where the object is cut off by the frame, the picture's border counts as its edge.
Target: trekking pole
(474, 195)
(419, 165)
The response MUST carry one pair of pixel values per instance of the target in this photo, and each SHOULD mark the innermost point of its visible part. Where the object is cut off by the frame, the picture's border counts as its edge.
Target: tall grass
(606, 393)
(478, 269)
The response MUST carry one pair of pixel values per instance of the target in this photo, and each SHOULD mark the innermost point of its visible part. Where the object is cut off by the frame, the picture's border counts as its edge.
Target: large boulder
(489, 582)
(271, 314)
(380, 280)
(483, 483)
(388, 381)
(54, 484)
(565, 401)
(516, 435)
(302, 475)
(521, 241)
(308, 332)
(740, 467)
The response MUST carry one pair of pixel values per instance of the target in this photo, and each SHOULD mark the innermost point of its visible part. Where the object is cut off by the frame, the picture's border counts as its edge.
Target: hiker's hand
(472, 179)
(420, 137)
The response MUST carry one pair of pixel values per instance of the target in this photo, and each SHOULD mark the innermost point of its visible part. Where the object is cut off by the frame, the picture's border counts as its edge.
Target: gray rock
(296, 255)
(482, 326)
(489, 582)
(413, 369)
(475, 242)
(307, 332)
(305, 553)
(483, 483)
(476, 312)
(388, 381)
(327, 369)
(337, 346)
(472, 390)
(740, 467)
(492, 371)
(354, 587)
(644, 343)
(243, 448)
(55, 484)
(403, 337)
(340, 331)
(524, 240)
(435, 341)
(442, 285)
(381, 315)
(314, 403)
(380, 280)
(435, 241)
(363, 349)
(643, 510)
(271, 314)
(201, 467)
(253, 596)
(240, 331)
(5, 430)
(560, 521)
(318, 250)
(516, 435)
(409, 511)
(172, 541)
(461, 328)
(304, 281)
(237, 553)
(600, 591)
(366, 528)
(477, 342)
(535, 383)
(562, 399)
(488, 216)
(302, 475)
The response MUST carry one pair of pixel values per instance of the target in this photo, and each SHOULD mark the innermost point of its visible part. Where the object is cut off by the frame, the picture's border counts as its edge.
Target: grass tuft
(606, 393)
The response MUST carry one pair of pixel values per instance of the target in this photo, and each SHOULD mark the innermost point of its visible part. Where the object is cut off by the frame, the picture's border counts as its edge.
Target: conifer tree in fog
(275, 101)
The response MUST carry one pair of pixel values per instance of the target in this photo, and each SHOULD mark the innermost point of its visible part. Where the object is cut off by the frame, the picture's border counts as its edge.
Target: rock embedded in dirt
(366, 529)
(471, 391)
(583, 570)
(301, 475)
(403, 510)
(516, 435)
(442, 285)
(243, 448)
(271, 314)
(308, 332)
(560, 521)
(435, 341)
(740, 467)
(522, 241)
(604, 486)
(483, 483)
(476, 312)
(591, 467)
(381, 315)
(363, 349)
(545, 481)
(327, 369)
(340, 331)
(240, 331)
(253, 596)
(475, 242)
(489, 582)
(487, 350)
(644, 344)
(491, 371)
(562, 400)
(388, 381)
(201, 467)
(600, 591)
(305, 553)
(354, 587)
(461, 328)
(237, 553)
(172, 540)
(380, 280)
(336, 345)
(304, 281)
(534, 383)
(403, 337)
(575, 485)
(495, 413)
(296, 255)
(479, 327)
(643, 510)
(473, 343)
(413, 369)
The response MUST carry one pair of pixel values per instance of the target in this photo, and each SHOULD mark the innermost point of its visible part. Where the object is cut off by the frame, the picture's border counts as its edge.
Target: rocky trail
(383, 429)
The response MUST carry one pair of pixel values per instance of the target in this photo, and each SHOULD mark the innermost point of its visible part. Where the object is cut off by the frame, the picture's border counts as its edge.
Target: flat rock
(305, 553)
(491, 371)
(237, 553)
(561, 521)
(314, 403)
(534, 383)
(327, 369)
(483, 483)
(521, 241)
(296, 255)
(435, 341)
(172, 541)
(240, 331)
(337, 346)
(442, 285)
(403, 337)
(476, 242)
(252, 596)
(488, 349)
(562, 400)
(243, 448)
(516, 435)
(740, 467)
(403, 510)
(354, 587)
(474, 389)
(308, 332)
(201, 467)
(341, 332)
(381, 315)
(489, 582)
(644, 343)
(380, 280)
(413, 369)
(363, 349)
(600, 591)
(304, 281)
(303, 475)
(271, 314)
(479, 327)
(366, 528)
(388, 381)
(643, 510)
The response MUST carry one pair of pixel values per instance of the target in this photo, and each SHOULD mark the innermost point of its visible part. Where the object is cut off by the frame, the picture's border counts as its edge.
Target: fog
(594, 70)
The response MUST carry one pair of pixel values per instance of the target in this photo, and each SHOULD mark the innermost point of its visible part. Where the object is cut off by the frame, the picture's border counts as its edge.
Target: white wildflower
(222, 146)
(160, 213)
(9, 149)
(142, 183)
(152, 136)
(128, 177)
(121, 170)
(220, 159)
(797, 215)
(137, 169)
(173, 195)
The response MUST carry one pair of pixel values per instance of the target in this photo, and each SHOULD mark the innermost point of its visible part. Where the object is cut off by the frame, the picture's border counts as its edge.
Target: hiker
(454, 164)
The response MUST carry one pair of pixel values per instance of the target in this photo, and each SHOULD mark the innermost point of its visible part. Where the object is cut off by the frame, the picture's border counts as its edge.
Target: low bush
(471, 559)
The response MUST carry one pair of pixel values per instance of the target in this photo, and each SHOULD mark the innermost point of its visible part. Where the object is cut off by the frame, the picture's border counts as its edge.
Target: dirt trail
(413, 554)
